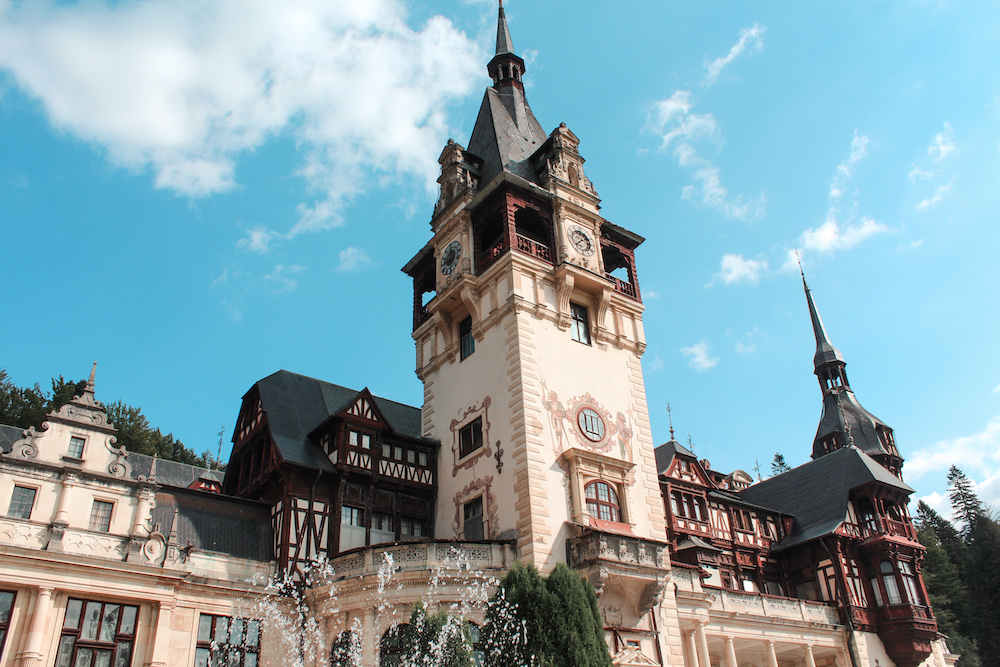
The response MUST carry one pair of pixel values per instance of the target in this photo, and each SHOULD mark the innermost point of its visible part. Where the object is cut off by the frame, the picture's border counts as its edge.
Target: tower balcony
(522, 243)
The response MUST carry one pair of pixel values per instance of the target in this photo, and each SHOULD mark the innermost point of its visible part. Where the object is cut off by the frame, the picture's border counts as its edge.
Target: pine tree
(964, 502)
(984, 548)
(778, 465)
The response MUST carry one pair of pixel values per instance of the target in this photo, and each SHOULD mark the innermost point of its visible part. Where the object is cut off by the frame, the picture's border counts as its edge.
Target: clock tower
(528, 329)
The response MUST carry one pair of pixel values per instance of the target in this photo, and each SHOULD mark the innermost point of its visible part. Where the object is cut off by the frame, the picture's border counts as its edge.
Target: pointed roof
(816, 493)
(506, 133)
(825, 351)
(504, 42)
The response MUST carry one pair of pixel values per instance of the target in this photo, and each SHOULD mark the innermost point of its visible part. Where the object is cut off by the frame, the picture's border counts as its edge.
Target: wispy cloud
(656, 364)
(684, 133)
(831, 236)
(939, 194)
(699, 357)
(257, 239)
(751, 40)
(942, 144)
(996, 389)
(859, 151)
(920, 174)
(737, 269)
(280, 279)
(978, 455)
(353, 259)
(185, 89)
(746, 344)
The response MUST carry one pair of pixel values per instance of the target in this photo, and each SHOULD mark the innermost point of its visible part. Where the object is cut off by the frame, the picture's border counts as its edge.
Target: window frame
(471, 504)
(6, 609)
(103, 527)
(466, 341)
(21, 514)
(471, 447)
(220, 653)
(596, 505)
(71, 451)
(72, 640)
(579, 323)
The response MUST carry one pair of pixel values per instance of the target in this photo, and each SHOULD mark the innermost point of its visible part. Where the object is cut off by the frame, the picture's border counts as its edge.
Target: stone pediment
(632, 657)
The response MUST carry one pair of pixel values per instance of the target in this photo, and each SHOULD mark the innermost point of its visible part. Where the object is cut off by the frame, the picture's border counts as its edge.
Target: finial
(90, 381)
(669, 419)
(504, 42)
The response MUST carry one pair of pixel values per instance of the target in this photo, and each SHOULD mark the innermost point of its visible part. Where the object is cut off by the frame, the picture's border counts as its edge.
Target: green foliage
(545, 622)
(778, 465)
(436, 640)
(24, 407)
(962, 573)
(346, 650)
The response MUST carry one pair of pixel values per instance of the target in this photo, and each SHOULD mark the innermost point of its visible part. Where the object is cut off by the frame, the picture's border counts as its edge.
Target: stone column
(731, 653)
(772, 657)
(161, 635)
(810, 661)
(32, 655)
(61, 520)
(369, 638)
(690, 651)
(703, 657)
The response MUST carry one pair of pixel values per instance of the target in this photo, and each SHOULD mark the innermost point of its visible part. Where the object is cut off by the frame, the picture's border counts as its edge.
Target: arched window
(475, 638)
(602, 501)
(346, 650)
(392, 645)
(889, 580)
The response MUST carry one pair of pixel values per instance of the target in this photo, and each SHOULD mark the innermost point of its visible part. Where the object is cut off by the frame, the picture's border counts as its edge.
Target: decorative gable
(689, 470)
(363, 408)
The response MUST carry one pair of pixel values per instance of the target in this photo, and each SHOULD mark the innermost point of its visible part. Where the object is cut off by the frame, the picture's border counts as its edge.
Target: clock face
(581, 241)
(450, 256)
(591, 424)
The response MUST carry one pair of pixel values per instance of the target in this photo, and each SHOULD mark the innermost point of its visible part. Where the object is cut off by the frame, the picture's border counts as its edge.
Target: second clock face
(450, 257)
(581, 241)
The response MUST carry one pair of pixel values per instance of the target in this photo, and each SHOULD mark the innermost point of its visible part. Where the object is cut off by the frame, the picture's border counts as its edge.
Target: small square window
(422, 459)
(76, 447)
(411, 456)
(21, 503)
(470, 437)
(100, 516)
(468, 341)
(580, 327)
(352, 438)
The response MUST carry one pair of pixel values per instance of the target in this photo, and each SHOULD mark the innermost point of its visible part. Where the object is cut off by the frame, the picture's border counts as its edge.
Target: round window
(591, 424)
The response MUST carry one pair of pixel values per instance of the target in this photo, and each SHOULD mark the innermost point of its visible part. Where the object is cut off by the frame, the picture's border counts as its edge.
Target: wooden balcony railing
(523, 244)
(623, 287)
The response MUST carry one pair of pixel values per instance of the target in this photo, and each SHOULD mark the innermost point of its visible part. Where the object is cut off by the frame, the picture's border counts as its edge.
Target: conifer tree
(778, 465)
(436, 640)
(964, 502)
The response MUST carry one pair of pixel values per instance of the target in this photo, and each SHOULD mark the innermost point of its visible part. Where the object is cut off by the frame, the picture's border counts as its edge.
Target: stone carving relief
(563, 418)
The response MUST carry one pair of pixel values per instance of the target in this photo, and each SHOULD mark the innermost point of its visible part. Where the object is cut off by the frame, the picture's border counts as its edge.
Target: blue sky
(197, 194)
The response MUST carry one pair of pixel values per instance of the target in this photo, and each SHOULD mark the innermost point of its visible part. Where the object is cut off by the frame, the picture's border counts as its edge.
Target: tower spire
(825, 351)
(504, 42)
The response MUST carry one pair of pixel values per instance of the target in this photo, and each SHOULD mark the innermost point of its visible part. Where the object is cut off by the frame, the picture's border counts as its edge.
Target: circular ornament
(581, 241)
(450, 257)
(591, 424)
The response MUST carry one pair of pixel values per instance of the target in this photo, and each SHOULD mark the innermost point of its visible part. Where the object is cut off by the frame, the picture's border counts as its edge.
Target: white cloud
(656, 364)
(736, 269)
(978, 455)
(996, 389)
(185, 88)
(699, 357)
(939, 194)
(682, 132)
(942, 144)
(281, 279)
(352, 259)
(751, 40)
(258, 240)
(831, 237)
(859, 151)
(918, 174)
(747, 345)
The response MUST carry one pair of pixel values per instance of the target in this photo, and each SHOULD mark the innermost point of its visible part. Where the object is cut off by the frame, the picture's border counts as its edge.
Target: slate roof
(816, 493)
(8, 436)
(665, 454)
(296, 404)
(843, 414)
(506, 135)
(210, 522)
(171, 473)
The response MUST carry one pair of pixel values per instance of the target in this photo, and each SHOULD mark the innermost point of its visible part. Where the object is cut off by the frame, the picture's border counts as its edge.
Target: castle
(533, 444)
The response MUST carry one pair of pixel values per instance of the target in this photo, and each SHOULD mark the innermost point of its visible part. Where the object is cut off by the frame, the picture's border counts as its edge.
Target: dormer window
(76, 445)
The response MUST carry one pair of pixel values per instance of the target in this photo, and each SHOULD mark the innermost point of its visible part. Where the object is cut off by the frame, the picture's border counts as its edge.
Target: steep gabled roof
(665, 454)
(506, 135)
(296, 404)
(816, 493)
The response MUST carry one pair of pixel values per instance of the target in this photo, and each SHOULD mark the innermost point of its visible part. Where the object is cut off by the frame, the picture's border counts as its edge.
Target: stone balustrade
(423, 557)
(772, 606)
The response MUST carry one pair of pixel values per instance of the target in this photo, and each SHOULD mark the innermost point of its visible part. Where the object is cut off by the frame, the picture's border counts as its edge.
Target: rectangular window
(422, 459)
(466, 339)
(21, 503)
(97, 634)
(473, 511)
(76, 447)
(470, 437)
(227, 642)
(411, 456)
(352, 528)
(412, 528)
(6, 603)
(350, 516)
(386, 451)
(366, 441)
(910, 582)
(382, 528)
(100, 516)
(580, 327)
(352, 438)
